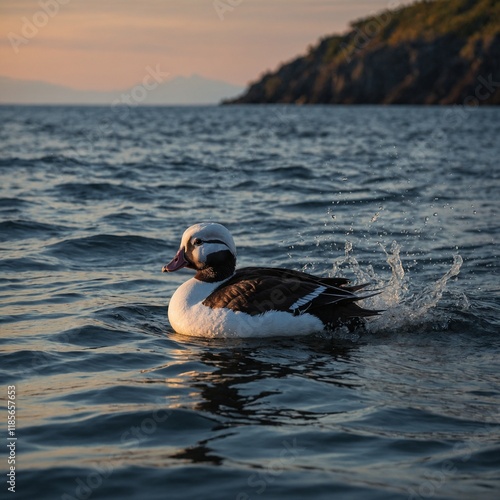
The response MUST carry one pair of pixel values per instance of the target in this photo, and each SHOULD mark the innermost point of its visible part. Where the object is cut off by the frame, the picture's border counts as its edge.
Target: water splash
(403, 308)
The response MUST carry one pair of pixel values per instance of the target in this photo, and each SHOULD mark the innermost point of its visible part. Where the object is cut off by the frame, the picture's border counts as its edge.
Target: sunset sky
(108, 44)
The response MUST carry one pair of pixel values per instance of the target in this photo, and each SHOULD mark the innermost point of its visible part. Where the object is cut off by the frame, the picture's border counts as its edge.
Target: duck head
(209, 249)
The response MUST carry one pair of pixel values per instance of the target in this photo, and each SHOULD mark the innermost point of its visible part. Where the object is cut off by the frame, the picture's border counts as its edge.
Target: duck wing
(256, 290)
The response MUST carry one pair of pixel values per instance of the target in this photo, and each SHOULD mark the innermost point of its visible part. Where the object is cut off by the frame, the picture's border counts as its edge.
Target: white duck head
(209, 249)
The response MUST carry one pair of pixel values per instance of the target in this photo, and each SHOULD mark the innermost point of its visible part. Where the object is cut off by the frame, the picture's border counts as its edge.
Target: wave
(295, 172)
(43, 160)
(24, 229)
(15, 162)
(106, 250)
(24, 264)
(100, 191)
(13, 203)
(90, 335)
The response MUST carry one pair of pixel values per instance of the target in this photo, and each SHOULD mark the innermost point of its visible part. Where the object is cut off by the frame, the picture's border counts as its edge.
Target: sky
(110, 44)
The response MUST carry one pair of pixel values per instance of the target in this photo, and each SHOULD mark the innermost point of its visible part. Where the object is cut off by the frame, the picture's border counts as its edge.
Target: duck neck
(220, 272)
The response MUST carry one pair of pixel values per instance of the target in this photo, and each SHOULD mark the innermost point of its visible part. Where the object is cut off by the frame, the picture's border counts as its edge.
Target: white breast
(189, 316)
(186, 305)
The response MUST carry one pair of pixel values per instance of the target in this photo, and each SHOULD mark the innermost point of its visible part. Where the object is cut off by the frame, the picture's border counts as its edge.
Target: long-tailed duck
(253, 301)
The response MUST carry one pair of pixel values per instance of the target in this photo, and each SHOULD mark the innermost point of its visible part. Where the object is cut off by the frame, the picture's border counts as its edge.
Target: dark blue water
(111, 404)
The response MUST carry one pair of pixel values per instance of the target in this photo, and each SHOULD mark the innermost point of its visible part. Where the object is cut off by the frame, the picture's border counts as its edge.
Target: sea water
(110, 403)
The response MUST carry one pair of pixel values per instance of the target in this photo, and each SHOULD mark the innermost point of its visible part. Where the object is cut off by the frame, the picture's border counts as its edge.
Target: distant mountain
(179, 90)
(431, 52)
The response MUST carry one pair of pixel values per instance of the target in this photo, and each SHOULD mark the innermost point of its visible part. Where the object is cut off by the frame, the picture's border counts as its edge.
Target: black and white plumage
(221, 301)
